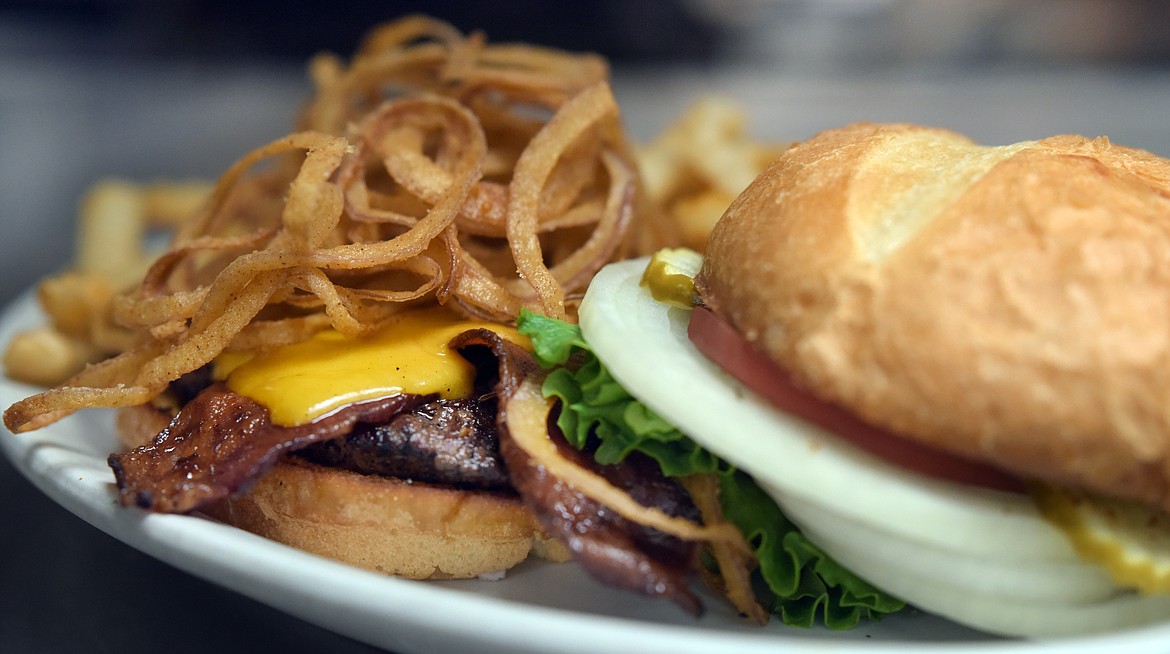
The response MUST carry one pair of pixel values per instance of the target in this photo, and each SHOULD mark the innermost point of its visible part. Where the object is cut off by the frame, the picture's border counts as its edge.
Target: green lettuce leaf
(801, 584)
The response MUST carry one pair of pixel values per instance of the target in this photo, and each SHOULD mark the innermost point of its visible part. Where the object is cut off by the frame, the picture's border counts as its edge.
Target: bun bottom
(387, 525)
(393, 526)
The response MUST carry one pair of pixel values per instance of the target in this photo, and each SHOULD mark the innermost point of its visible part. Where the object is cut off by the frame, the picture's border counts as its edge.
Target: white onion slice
(983, 558)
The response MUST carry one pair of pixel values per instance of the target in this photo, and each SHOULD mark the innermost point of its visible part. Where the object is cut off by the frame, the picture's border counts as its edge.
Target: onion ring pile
(434, 167)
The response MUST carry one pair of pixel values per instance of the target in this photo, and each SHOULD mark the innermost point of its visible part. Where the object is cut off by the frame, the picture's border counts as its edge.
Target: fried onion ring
(433, 167)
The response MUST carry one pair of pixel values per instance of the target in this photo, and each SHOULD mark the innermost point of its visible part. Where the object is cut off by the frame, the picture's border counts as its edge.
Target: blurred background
(151, 90)
(177, 89)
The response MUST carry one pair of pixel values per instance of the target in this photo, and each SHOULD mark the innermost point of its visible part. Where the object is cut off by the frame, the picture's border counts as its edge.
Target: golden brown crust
(1012, 305)
(412, 530)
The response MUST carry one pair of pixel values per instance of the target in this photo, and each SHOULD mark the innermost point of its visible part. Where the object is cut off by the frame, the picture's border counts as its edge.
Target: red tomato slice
(724, 345)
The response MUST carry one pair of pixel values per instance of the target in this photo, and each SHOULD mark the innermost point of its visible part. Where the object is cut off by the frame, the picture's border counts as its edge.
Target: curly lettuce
(801, 584)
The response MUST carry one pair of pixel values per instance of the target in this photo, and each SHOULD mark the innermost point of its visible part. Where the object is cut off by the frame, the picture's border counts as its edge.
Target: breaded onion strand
(735, 566)
(433, 166)
(535, 166)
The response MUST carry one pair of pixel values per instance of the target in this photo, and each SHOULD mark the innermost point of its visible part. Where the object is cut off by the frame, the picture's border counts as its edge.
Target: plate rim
(41, 458)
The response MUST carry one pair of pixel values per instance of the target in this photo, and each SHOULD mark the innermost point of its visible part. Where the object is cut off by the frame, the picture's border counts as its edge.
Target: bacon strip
(614, 550)
(220, 442)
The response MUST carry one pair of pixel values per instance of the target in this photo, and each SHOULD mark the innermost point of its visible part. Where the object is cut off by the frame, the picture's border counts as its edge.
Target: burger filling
(222, 440)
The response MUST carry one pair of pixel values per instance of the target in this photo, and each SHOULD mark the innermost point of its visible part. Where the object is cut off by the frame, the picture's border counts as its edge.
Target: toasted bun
(137, 425)
(1009, 304)
(412, 530)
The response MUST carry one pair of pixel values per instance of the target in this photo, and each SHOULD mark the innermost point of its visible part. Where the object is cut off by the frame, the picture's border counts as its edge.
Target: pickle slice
(1130, 541)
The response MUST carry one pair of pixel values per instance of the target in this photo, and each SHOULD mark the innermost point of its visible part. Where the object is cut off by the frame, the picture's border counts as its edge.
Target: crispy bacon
(613, 549)
(220, 442)
(616, 551)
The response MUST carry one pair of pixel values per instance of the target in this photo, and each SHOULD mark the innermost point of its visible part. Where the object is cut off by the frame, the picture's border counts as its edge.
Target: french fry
(697, 165)
(45, 356)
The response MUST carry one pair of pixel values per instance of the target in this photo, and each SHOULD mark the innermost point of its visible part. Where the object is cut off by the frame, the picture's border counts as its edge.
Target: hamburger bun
(1008, 304)
(392, 526)
(1000, 307)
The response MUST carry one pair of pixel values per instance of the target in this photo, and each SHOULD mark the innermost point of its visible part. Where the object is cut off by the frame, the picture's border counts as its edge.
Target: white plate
(539, 607)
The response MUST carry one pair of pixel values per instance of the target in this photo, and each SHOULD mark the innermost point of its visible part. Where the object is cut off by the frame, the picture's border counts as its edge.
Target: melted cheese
(299, 383)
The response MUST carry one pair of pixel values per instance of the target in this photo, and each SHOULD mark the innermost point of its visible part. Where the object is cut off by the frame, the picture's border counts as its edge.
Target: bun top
(1009, 304)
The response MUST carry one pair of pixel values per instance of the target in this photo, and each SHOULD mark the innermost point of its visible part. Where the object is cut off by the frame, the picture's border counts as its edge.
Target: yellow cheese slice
(307, 380)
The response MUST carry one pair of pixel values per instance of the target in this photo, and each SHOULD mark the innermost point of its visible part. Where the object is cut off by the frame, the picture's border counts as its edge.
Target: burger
(324, 353)
(947, 356)
(945, 363)
(319, 354)
(378, 452)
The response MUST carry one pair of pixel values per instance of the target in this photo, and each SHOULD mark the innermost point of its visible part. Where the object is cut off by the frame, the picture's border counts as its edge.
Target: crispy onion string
(735, 562)
(432, 167)
(533, 170)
